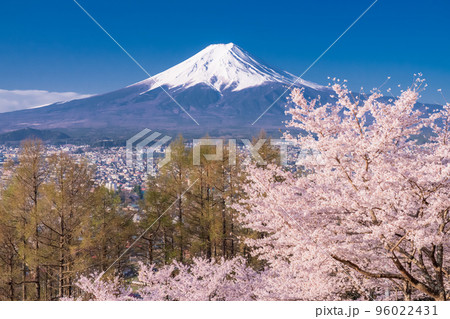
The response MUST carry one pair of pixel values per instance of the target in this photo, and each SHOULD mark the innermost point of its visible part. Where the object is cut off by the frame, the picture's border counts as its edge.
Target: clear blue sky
(52, 45)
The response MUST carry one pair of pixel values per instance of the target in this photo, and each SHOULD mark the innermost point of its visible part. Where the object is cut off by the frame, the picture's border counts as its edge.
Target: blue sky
(52, 45)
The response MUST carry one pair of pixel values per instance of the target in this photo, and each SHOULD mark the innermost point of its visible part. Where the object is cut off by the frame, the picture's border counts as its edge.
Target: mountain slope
(222, 66)
(223, 87)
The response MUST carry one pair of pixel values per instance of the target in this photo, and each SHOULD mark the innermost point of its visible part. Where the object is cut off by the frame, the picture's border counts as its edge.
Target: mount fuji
(222, 67)
(222, 87)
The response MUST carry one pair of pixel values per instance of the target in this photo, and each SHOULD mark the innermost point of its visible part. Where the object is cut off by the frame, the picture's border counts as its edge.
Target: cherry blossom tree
(371, 214)
(94, 288)
(201, 280)
(297, 268)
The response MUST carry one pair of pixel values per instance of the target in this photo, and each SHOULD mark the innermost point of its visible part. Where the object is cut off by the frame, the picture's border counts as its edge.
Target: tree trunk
(150, 250)
(11, 279)
(407, 291)
(24, 279)
(180, 216)
(61, 268)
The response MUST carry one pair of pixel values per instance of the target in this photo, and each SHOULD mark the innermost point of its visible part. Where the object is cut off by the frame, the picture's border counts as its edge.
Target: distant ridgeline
(222, 91)
(15, 137)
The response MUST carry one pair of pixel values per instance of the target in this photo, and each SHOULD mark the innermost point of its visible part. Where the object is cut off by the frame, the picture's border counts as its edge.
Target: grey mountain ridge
(223, 87)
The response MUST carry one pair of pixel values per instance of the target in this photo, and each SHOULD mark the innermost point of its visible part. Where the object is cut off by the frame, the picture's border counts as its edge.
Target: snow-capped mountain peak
(222, 66)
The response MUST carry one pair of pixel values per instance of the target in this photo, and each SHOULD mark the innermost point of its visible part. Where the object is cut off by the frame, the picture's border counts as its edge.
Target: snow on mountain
(222, 67)
(223, 87)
